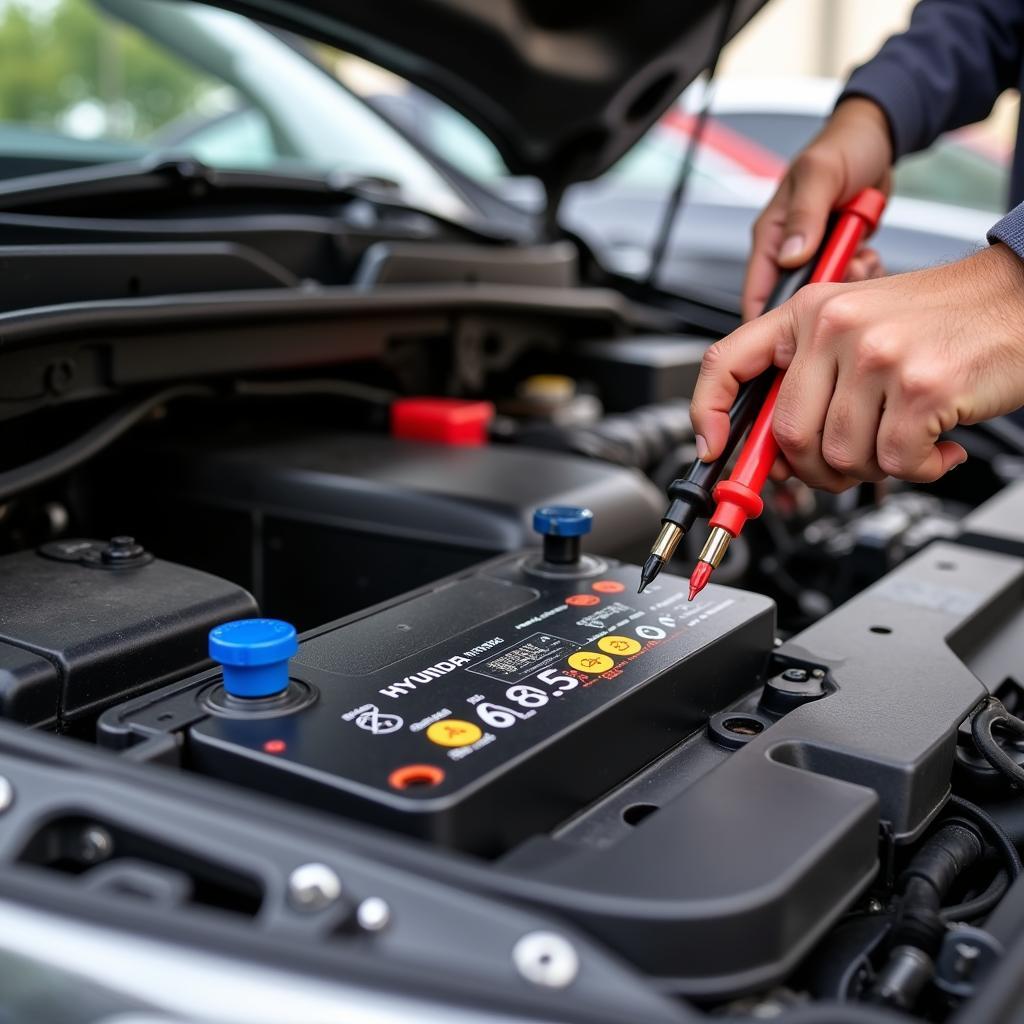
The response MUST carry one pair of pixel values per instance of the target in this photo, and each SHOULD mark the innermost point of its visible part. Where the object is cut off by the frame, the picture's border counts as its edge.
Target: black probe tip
(650, 571)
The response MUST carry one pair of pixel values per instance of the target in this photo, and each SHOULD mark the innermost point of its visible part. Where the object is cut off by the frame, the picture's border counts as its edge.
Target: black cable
(982, 903)
(678, 194)
(92, 442)
(993, 833)
(986, 718)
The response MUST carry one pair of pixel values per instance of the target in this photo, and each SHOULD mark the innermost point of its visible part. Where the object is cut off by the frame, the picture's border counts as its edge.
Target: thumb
(815, 186)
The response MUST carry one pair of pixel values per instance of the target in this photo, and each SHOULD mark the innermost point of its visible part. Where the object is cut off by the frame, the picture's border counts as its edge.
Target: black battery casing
(78, 633)
(462, 652)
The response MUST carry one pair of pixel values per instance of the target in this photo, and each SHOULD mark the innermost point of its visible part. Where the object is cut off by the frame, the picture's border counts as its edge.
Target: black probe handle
(691, 494)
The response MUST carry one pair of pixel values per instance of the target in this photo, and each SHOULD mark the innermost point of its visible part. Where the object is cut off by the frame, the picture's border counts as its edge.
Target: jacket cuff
(1010, 231)
(887, 83)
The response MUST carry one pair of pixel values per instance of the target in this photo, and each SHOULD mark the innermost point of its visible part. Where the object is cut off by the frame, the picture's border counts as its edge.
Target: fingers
(781, 469)
(865, 266)
(739, 357)
(763, 266)
(907, 449)
(804, 400)
(816, 183)
(849, 437)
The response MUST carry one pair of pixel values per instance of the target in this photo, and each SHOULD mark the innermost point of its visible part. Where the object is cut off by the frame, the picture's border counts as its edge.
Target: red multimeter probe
(739, 497)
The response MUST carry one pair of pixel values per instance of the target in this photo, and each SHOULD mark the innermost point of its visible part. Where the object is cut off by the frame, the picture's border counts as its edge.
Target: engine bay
(481, 746)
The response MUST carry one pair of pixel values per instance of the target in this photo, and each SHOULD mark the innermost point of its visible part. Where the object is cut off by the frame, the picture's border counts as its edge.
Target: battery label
(524, 659)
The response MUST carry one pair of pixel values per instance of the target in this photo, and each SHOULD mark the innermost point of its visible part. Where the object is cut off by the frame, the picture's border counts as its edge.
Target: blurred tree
(57, 55)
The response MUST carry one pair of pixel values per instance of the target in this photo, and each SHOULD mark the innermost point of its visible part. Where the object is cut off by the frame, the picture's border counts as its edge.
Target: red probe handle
(739, 498)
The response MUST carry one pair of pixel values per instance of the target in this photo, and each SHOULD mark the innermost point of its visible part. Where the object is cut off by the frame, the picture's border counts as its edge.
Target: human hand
(877, 371)
(852, 152)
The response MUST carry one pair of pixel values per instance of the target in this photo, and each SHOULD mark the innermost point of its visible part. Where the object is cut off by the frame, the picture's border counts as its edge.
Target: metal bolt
(313, 887)
(6, 794)
(373, 914)
(875, 906)
(122, 549)
(795, 675)
(818, 673)
(966, 959)
(95, 844)
(546, 959)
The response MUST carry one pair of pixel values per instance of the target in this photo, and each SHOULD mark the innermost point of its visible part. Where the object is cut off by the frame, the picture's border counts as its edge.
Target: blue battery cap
(563, 521)
(254, 654)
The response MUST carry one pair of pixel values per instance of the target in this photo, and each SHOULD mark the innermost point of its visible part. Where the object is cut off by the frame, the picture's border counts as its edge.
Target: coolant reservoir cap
(254, 654)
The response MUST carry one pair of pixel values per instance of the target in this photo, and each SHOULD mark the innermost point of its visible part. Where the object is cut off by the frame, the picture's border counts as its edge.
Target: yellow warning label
(454, 732)
(590, 661)
(621, 645)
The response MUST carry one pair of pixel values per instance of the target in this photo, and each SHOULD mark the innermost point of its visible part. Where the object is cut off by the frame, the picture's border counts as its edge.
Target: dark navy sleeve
(946, 70)
(1010, 230)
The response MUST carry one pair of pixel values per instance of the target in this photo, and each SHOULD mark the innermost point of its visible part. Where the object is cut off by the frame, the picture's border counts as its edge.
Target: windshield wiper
(191, 180)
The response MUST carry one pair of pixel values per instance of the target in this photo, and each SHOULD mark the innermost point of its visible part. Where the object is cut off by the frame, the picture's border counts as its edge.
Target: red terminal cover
(454, 421)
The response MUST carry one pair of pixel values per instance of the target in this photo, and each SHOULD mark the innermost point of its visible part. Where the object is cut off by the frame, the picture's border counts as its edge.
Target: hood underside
(562, 88)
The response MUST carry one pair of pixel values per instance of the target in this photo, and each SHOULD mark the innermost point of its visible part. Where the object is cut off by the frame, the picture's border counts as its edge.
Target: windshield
(93, 81)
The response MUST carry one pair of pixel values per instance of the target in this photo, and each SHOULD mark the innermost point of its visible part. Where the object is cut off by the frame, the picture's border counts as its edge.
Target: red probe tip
(699, 578)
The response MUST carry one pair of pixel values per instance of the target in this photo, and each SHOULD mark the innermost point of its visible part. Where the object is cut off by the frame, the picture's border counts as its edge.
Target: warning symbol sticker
(454, 732)
(373, 720)
(590, 661)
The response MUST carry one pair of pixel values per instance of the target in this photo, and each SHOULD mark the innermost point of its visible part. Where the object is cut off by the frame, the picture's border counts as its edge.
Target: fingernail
(702, 447)
(792, 247)
(960, 461)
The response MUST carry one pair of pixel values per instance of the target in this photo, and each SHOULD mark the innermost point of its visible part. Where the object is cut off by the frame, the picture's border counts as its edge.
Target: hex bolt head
(546, 959)
(373, 914)
(313, 887)
(6, 794)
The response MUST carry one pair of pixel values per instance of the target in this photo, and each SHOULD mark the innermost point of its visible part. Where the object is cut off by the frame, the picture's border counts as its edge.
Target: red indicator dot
(275, 746)
(583, 600)
(608, 586)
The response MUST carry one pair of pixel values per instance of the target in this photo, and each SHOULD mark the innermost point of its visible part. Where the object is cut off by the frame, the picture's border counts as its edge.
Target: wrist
(999, 272)
(869, 121)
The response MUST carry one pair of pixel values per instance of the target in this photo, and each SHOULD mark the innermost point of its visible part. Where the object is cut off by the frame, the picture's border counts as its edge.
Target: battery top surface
(419, 706)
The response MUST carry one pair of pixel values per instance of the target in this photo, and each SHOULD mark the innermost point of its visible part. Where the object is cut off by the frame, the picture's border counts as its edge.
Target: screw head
(313, 887)
(6, 794)
(795, 675)
(373, 914)
(546, 959)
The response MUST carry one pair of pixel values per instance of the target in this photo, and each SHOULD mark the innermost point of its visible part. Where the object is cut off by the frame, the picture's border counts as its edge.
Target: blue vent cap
(254, 654)
(563, 521)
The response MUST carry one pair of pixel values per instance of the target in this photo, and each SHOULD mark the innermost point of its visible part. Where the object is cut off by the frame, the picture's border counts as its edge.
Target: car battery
(481, 710)
(86, 623)
(279, 508)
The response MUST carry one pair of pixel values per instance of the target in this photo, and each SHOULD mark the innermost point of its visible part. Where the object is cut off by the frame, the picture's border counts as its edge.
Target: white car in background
(944, 200)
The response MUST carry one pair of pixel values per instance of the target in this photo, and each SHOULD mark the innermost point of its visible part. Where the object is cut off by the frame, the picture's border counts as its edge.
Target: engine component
(436, 715)
(641, 438)
(717, 864)
(283, 515)
(86, 623)
(635, 371)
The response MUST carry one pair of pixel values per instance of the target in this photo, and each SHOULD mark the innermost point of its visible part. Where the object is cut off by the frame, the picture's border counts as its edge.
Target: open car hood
(562, 87)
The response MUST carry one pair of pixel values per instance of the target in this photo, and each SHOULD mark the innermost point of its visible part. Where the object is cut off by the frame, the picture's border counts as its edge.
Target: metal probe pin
(711, 557)
(661, 553)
